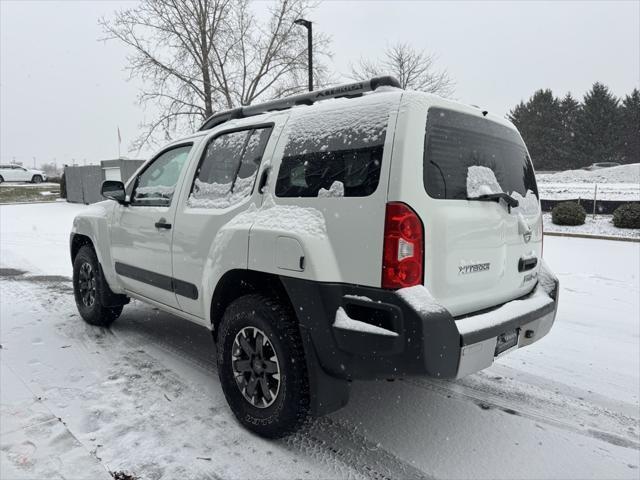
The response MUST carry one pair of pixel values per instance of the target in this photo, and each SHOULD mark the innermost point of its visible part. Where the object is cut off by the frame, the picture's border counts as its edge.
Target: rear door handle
(162, 223)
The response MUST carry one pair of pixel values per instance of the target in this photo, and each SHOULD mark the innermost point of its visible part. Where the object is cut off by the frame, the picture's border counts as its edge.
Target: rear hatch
(480, 249)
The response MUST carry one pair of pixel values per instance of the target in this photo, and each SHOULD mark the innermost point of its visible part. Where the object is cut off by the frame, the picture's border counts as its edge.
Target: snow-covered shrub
(568, 213)
(627, 216)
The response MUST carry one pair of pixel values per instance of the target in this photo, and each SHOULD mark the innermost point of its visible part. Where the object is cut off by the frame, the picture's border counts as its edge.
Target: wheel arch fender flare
(327, 392)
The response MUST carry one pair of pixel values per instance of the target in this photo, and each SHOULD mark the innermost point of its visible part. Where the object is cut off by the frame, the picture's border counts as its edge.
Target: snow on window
(220, 195)
(481, 181)
(336, 190)
(152, 192)
(157, 183)
(337, 141)
(229, 168)
(340, 125)
(344, 322)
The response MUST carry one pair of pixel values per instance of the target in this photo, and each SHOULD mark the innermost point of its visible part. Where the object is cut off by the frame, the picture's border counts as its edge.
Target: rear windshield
(456, 141)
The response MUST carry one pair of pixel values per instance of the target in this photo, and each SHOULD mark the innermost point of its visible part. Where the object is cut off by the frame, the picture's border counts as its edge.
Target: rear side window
(335, 151)
(228, 168)
(456, 141)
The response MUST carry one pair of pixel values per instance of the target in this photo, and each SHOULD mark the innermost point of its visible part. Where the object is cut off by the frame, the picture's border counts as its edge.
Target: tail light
(402, 258)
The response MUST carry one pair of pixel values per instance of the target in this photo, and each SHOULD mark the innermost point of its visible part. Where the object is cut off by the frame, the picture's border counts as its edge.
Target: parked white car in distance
(18, 173)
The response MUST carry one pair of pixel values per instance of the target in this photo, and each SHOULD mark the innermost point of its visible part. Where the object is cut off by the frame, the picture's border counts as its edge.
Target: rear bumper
(427, 341)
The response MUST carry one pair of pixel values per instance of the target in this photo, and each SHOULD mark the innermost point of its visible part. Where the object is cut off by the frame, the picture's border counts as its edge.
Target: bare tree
(196, 57)
(414, 69)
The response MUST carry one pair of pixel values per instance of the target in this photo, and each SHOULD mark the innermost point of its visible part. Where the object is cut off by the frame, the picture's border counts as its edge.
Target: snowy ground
(616, 183)
(601, 225)
(143, 397)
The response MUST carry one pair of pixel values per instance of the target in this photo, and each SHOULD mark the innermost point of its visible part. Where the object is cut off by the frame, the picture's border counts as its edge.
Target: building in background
(83, 183)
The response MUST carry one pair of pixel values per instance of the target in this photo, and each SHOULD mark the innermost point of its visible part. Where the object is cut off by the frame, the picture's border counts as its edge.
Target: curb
(594, 237)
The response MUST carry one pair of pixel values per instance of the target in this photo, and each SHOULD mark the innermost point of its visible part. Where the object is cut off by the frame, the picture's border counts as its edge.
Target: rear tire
(36, 179)
(262, 367)
(88, 288)
(1, 179)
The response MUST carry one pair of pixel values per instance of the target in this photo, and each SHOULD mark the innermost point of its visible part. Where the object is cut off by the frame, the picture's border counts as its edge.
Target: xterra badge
(475, 268)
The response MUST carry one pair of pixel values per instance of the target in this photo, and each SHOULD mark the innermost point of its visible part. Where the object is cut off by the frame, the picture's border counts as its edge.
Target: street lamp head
(303, 22)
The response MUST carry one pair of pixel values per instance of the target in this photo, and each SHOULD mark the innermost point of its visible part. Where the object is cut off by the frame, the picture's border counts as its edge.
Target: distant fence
(605, 207)
(83, 183)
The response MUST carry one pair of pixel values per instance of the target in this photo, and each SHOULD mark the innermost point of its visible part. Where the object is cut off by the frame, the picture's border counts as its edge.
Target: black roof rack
(309, 98)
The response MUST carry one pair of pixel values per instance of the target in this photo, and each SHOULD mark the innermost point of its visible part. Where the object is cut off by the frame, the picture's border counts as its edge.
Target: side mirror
(114, 190)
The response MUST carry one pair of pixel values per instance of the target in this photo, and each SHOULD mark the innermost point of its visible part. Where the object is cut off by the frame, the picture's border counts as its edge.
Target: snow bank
(344, 322)
(601, 225)
(622, 174)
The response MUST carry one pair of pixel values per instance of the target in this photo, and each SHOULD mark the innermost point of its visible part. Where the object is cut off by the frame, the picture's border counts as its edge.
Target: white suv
(381, 234)
(17, 173)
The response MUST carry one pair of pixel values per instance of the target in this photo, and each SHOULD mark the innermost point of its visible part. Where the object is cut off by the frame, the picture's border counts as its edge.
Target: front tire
(88, 288)
(262, 367)
(36, 179)
(1, 179)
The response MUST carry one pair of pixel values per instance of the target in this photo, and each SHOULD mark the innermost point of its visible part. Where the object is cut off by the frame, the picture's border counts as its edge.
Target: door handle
(162, 223)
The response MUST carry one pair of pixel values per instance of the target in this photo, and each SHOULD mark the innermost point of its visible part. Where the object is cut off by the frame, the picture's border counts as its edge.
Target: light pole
(308, 26)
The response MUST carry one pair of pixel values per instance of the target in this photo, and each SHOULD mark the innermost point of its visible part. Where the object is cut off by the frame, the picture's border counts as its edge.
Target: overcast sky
(63, 93)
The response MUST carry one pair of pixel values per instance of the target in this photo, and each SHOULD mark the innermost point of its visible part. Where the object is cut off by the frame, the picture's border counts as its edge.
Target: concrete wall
(83, 183)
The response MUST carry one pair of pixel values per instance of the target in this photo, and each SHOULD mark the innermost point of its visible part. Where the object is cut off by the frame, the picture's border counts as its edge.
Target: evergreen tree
(597, 127)
(630, 128)
(539, 122)
(569, 111)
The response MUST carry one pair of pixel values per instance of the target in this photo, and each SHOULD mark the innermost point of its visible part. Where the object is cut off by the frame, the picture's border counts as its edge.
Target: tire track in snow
(490, 398)
(335, 444)
(322, 438)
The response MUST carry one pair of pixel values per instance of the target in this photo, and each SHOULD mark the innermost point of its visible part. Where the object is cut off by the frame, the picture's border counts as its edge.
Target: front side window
(228, 168)
(156, 185)
(334, 151)
(466, 155)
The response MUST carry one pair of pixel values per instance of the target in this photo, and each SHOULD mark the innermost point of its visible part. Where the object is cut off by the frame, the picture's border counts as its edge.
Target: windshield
(456, 142)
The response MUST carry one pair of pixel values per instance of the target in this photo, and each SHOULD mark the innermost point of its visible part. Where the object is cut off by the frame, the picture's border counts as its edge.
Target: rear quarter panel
(347, 244)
